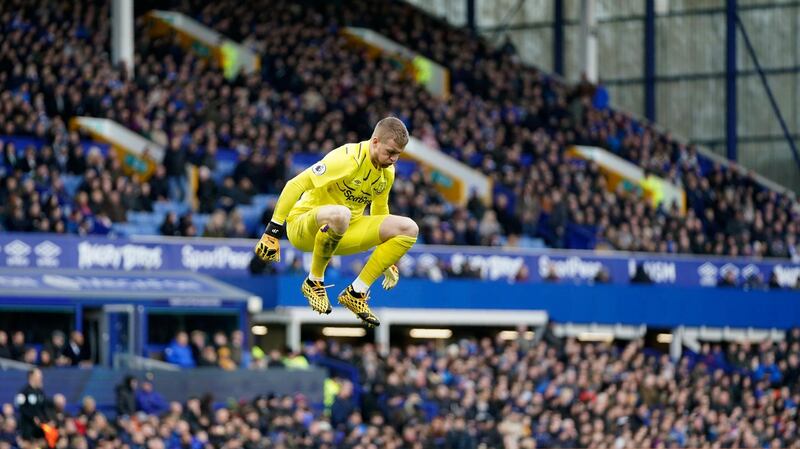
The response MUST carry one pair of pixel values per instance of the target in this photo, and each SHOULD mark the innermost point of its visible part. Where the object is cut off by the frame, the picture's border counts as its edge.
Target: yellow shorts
(362, 235)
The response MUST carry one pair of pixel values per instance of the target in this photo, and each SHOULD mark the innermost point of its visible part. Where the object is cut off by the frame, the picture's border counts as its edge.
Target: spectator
(343, 406)
(641, 276)
(170, 225)
(149, 401)
(5, 348)
(295, 360)
(126, 396)
(600, 99)
(58, 414)
(31, 357)
(229, 195)
(224, 359)
(206, 191)
(159, 185)
(179, 353)
(728, 279)
(76, 350)
(18, 345)
(275, 359)
(88, 410)
(142, 199)
(198, 344)
(220, 340)
(175, 162)
(46, 359)
(216, 225)
(238, 353)
(208, 358)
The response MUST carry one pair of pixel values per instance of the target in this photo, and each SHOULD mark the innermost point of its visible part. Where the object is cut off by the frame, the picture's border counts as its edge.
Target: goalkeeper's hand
(268, 249)
(390, 277)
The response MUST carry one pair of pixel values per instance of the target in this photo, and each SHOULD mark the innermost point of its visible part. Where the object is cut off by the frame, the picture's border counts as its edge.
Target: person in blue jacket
(150, 401)
(179, 352)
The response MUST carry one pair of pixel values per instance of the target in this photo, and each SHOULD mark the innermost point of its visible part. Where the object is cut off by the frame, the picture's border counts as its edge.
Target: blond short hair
(391, 128)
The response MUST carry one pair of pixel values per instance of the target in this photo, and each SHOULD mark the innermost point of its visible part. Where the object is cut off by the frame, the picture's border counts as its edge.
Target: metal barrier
(9, 365)
(224, 386)
(135, 362)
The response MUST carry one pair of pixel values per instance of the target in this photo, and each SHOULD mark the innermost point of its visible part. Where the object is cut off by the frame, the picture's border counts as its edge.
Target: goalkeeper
(329, 218)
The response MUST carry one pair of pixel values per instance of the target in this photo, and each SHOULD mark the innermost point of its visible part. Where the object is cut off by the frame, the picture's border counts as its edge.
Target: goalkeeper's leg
(327, 225)
(398, 235)
(332, 222)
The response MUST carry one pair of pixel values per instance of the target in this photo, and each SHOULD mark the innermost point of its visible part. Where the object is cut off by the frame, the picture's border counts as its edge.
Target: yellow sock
(385, 255)
(325, 244)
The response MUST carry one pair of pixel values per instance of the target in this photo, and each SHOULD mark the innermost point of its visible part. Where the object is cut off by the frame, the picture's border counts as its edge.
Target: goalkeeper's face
(386, 153)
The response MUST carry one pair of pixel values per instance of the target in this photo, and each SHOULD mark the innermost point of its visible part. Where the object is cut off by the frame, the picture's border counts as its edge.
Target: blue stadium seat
(224, 168)
(147, 229)
(165, 207)
(200, 221)
(251, 215)
(123, 229)
(263, 200)
(529, 242)
(146, 217)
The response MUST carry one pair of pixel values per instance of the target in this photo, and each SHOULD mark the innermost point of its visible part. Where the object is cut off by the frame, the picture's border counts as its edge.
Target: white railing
(8, 365)
(135, 362)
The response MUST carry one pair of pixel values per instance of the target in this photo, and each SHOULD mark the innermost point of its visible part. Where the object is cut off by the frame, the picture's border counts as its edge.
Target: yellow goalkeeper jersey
(346, 177)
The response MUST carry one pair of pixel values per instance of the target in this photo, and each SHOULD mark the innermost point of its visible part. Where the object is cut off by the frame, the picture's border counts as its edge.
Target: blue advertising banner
(232, 257)
(632, 304)
(106, 284)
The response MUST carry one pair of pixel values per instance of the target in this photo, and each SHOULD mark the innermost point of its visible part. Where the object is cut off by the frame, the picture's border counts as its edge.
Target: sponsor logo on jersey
(350, 195)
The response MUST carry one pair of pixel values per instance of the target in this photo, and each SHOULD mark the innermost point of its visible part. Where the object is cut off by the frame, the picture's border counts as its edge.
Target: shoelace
(320, 289)
(364, 298)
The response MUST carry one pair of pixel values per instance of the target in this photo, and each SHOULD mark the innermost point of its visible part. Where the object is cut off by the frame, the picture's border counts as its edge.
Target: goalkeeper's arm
(268, 248)
(334, 166)
(289, 195)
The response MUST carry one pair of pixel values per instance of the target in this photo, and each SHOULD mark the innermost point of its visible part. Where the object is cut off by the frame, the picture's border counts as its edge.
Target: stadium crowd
(200, 352)
(522, 393)
(730, 214)
(58, 351)
(187, 350)
(316, 90)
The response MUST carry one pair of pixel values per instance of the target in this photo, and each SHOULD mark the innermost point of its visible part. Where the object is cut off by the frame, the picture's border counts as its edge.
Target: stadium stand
(512, 122)
(528, 392)
(317, 89)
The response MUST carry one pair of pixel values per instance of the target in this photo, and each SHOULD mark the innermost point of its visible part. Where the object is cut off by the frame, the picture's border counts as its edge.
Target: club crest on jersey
(380, 187)
(318, 168)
